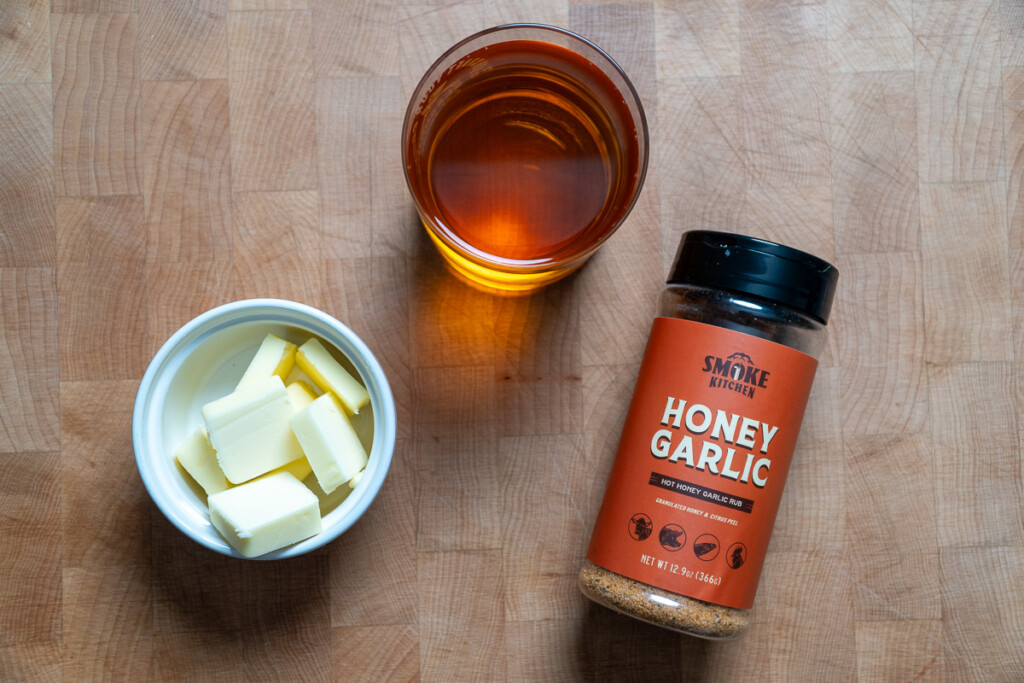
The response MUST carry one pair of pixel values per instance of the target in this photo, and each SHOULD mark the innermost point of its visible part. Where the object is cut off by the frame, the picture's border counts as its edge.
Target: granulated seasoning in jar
(688, 513)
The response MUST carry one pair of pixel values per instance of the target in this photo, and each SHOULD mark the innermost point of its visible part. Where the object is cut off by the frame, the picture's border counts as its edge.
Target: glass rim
(541, 264)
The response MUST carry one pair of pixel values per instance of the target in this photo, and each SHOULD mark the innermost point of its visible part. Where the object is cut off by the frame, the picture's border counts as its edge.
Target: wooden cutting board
(160, 158)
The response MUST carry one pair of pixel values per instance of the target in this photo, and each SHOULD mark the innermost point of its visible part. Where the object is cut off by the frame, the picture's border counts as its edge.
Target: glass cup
(525, 147)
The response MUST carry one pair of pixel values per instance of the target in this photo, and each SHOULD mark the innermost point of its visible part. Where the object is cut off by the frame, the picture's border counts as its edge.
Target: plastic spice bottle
(688, 512)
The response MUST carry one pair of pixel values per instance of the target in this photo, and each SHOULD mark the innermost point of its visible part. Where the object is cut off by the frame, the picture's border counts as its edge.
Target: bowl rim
(204, 326)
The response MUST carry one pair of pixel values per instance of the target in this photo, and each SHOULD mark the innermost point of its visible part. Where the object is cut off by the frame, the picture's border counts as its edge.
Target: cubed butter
(250, 431)
(266, 514)
(329, 375)
(199, 459)
(330, 443)
(299, 469)
(274, 357)
(297, 375)
(301, 395)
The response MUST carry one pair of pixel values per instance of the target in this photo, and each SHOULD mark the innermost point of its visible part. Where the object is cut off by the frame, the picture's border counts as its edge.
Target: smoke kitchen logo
(736, 373)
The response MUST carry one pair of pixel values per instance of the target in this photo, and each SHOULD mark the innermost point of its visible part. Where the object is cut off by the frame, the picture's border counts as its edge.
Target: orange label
(702, 461)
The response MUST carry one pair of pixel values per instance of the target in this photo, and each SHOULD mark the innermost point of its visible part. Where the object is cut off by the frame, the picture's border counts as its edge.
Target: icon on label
(640, 526)
(736, 555)
(672, 537)
(706, 547)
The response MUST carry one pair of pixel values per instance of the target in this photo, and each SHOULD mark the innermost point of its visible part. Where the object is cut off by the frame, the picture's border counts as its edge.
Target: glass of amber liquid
(525, 147)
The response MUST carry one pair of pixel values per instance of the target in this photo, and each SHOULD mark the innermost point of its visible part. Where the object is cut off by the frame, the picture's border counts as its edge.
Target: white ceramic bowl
(203, 361)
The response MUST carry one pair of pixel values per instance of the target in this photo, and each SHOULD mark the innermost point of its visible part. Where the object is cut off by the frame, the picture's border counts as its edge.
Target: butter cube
(329, 375)
(274, 357)
(301, 395)
(249, 429)
(330, 443)
(300, 469)
(266, 514)
(199, 459)
(297, 375)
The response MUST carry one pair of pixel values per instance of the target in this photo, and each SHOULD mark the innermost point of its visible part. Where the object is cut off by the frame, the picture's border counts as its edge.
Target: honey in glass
(524, 151)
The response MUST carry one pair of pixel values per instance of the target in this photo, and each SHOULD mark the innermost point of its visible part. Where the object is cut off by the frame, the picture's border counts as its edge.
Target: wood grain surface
(160, 158)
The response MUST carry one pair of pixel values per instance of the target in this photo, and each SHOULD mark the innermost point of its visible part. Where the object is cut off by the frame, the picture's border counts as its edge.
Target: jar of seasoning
(688, 512)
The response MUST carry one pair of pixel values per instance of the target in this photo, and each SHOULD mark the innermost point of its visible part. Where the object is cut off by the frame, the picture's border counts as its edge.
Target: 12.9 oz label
(702, 461)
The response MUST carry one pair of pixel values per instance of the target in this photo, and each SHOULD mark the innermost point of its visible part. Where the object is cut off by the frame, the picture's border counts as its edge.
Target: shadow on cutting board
(618, 648)
(197, 590)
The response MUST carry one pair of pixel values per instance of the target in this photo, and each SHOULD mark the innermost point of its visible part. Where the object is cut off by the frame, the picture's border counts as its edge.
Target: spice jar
(688, 512)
